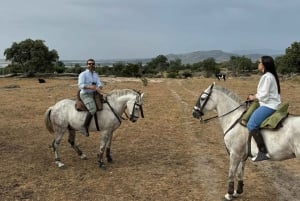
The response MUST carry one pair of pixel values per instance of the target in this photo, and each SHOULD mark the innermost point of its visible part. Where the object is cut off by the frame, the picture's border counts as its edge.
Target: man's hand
(99, 89)
(92, 87)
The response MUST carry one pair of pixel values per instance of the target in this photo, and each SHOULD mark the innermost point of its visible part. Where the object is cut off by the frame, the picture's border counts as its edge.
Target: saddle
(272, 122)
(98, 98)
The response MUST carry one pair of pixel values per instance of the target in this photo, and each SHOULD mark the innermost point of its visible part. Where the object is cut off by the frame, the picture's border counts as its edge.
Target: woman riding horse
(268, 95)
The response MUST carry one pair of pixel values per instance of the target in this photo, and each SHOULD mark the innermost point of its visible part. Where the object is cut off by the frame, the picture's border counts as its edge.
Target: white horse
(282, 144)
(63, 116)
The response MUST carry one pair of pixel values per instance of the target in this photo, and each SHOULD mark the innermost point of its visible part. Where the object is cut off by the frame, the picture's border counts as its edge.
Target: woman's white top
(267, 91)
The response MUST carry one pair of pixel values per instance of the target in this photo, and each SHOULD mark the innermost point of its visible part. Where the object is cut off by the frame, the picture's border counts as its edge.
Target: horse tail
(47, 120)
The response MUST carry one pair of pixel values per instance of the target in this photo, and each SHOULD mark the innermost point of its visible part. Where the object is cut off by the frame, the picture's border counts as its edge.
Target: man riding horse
(89, 83)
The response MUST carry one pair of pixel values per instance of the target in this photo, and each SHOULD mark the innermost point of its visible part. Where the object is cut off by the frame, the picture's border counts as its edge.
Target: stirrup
(261, 157)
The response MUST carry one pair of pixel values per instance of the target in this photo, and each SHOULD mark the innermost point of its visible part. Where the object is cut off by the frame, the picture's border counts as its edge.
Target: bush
(172, 75)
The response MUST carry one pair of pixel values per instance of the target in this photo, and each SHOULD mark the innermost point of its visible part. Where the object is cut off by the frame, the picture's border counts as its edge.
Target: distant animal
(41, 80)
(63, 117)
(282, 143)
(221, 76)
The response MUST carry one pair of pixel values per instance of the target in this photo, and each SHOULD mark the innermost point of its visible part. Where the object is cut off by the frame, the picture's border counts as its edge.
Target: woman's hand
(251, 97)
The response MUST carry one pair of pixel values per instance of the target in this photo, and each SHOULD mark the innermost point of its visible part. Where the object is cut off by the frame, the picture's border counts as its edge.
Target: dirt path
(283, 182)
(167, 156)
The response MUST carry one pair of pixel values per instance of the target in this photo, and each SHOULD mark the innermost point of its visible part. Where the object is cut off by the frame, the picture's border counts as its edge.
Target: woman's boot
(262, 153)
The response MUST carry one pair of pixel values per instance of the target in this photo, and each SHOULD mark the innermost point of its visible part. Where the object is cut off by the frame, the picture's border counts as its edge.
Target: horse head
(202, 103)
(135, 107)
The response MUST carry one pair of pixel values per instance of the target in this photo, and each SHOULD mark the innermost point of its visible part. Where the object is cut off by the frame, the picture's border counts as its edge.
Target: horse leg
(234, 162)
(240, 175)
(58, 136)
(71, 140)
(104, 139)
(108, 155)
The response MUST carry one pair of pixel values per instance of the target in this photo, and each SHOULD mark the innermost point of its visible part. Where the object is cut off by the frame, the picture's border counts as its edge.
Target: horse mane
(121, 92)
(229, 93)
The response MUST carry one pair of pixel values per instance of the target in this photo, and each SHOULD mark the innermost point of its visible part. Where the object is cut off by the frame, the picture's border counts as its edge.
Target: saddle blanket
(273, 121)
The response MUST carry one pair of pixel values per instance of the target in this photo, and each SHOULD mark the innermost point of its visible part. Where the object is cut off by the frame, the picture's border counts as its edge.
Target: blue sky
(125, 29)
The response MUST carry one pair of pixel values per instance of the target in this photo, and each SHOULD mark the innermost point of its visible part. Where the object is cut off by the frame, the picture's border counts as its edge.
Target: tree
(159, 63)
(105, 70)
(209, 66)
(280, 63)
(175, 66)
(239, 64)
(118, 68)
(292, 57)
(32, 56)
(131, 70)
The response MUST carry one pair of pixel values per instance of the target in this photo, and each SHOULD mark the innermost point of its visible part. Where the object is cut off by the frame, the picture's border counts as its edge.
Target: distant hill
(198, 56)
(186, 58)
(258, 51)
(218, 55)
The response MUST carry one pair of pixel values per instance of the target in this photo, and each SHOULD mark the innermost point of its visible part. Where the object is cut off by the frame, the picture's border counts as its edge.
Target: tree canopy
(290, 62)
(31, 56)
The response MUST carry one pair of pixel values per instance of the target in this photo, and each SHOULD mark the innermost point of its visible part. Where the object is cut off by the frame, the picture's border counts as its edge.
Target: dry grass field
(166, 156)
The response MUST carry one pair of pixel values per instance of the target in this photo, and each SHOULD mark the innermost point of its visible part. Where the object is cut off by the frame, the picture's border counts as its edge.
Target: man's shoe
(261, 157)
(84, 131)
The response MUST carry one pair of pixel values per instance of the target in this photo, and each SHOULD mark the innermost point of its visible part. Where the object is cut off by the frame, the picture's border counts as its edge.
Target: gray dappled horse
(63, 117)
(282, 144)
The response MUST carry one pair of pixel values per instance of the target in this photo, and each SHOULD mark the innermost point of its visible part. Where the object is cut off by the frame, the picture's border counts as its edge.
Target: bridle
(132, 116)
(198, 109)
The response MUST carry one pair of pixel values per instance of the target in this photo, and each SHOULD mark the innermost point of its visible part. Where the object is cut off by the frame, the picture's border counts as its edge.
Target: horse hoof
(83, 157)
(110, 160)
(227, 197)
(102, 166)
(59, 164)
(236, 195)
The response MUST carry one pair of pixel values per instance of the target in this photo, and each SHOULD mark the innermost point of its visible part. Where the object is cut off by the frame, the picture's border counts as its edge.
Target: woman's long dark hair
(269, 65)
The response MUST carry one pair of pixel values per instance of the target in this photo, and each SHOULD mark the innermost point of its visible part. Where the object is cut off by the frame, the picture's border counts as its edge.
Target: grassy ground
(168, 155)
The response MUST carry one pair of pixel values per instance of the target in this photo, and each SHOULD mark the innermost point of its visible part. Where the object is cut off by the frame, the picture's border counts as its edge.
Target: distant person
(268, 95)
(89, 83)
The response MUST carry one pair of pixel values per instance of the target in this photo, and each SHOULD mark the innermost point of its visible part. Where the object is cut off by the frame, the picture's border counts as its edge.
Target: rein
(112, 109)
(223, 115)
(206, 100)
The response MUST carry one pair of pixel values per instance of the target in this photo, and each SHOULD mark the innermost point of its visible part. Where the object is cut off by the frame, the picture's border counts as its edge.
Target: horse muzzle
(197, 113)
(133, 118)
